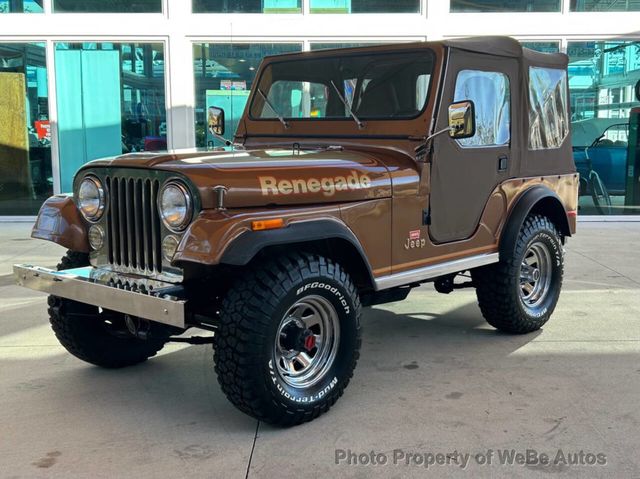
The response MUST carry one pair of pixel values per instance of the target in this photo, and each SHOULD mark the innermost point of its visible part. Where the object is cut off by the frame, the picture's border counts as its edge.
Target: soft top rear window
(392, 85)
(548, 113)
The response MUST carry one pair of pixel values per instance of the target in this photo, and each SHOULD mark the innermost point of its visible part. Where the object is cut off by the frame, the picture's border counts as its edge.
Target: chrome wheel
(307, 341)
(535, 274)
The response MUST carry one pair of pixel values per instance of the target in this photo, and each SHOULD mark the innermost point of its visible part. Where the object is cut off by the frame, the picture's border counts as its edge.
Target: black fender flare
(536, 199)
(244, 248)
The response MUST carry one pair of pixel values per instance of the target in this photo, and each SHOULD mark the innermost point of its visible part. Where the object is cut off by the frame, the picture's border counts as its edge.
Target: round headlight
(174, 203)
(91, 198)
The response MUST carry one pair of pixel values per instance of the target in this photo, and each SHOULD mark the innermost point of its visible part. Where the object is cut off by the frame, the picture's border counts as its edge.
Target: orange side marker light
(262, 225)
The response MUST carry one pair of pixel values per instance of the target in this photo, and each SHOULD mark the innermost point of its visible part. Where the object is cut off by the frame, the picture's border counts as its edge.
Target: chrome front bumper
(136, 296)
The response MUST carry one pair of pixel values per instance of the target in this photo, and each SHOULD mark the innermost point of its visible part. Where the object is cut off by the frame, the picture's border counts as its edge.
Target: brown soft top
(507, 47)
(492, 45)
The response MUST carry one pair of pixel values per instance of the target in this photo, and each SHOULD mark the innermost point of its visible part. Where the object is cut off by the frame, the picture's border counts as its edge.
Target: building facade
(83, 79)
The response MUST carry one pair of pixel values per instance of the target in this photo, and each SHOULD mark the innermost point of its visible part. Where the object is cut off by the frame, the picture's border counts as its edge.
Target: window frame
(507, 144)
(427, 51)
(567, 106)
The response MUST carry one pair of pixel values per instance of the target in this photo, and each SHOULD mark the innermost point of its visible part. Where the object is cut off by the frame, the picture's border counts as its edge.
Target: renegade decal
(354, 181)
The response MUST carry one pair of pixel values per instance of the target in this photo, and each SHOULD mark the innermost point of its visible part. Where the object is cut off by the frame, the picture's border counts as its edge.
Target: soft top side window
(489, 92)
(548, 114)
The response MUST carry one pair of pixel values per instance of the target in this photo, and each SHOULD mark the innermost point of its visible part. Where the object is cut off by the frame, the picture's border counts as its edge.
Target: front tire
(289, 338)
(519, 294)
(99, 337)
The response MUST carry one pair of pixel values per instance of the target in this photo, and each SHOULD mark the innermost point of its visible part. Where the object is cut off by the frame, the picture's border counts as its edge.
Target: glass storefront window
(604, 79)
(25, 139)
(543, 46)
(224, 74)
(111, 100)
(107, 6)
(494, 6)
(364, 6)
(247, 6)
(604, 6)
(21, 6)
(327, 46)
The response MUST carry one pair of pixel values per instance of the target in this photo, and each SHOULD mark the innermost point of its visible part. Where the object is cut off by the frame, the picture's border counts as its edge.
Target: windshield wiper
(357, 120)
(282, 120)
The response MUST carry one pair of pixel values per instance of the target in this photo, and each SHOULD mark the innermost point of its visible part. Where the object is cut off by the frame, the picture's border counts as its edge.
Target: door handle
(503, 163)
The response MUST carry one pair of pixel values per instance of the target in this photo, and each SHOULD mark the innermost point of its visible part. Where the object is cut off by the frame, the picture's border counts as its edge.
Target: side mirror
(215, 120)
(462, 119)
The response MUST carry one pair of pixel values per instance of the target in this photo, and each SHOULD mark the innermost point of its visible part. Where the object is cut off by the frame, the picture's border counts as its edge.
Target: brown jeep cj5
(354, 176)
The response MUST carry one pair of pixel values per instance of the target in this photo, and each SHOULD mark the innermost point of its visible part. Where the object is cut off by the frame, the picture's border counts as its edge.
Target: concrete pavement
(433, 378)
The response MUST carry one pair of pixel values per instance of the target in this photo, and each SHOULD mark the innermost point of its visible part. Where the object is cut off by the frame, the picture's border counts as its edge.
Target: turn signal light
(262, 225)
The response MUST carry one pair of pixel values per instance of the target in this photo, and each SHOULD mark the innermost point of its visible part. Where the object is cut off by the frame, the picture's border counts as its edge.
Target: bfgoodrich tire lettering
(511, 295)
(254, 319)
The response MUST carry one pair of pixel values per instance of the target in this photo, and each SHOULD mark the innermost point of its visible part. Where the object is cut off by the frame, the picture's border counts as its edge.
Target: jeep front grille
(133, 224)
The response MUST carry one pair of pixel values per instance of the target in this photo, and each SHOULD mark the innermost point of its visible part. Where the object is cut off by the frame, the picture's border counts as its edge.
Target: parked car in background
(602, 163)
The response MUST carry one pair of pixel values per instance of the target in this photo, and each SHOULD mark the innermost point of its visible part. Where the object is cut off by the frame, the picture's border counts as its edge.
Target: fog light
(96, 237)
(169, 247)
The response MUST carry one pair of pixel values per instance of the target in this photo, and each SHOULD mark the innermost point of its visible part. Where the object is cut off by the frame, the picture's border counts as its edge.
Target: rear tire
(99, 338)
(289, 338)
(519, 294)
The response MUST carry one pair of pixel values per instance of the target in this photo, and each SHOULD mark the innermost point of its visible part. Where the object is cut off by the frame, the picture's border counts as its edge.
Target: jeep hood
(270, 177)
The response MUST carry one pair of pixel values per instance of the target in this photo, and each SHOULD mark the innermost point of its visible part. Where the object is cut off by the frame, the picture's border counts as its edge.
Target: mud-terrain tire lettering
(249, 319)
(497, 284)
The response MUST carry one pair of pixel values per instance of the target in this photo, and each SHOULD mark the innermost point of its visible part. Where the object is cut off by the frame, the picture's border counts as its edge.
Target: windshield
(372, 86)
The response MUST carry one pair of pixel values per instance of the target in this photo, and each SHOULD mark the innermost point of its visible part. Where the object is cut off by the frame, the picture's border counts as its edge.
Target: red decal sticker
(414, 235)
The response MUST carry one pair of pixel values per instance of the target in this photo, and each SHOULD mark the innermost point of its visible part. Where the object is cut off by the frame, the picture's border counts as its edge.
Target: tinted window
(26, 175)
(606, 6)
(21, 6)
(224, 74)
(364, 6)
(107, 6)
(111, 100)
(247, 6)
(548, 117)
(544, 47)
(374, 86)
(489, 92)
(505, 5)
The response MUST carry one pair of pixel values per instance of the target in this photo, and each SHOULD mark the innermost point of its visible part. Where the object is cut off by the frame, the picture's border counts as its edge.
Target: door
(464, 172)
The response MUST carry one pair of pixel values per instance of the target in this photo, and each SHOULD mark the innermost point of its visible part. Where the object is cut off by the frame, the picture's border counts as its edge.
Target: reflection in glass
(390, 86)
(489, 92)
(604, 6)
(364, 6)
(25, 136)
(247, 6)
(224, 74)
(21, 6)
(110, 99)
(328, 46)
(543, 46)
(548, 121)
(605, 113)
(107, 6)
(505, 5)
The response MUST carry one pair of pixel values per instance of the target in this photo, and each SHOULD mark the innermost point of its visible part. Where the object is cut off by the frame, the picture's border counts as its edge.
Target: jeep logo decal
(355, 181)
